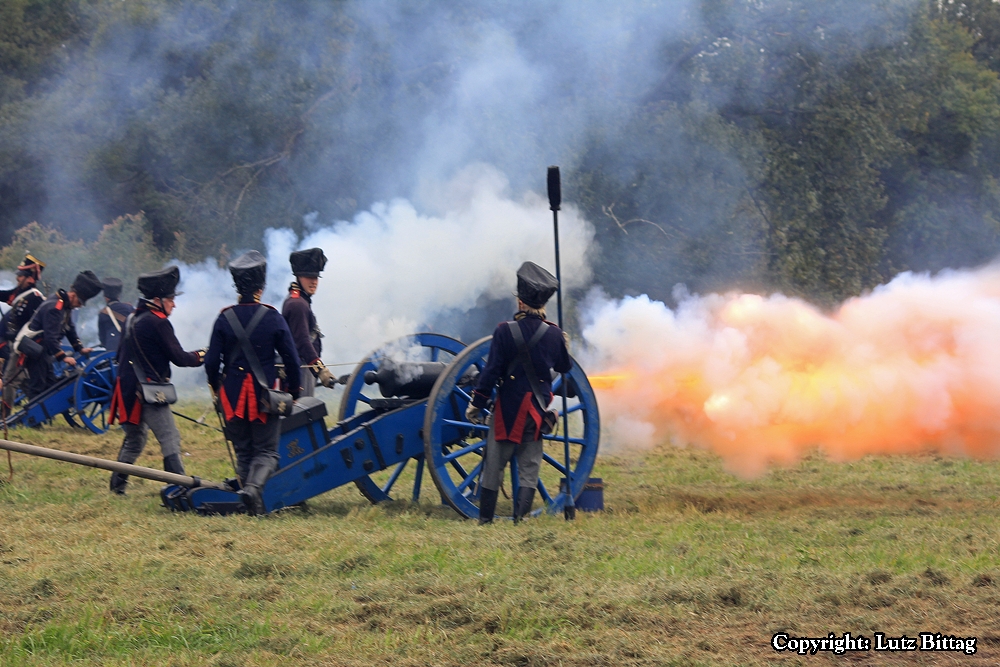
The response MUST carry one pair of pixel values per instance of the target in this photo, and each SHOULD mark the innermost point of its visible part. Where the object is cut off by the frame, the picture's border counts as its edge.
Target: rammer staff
(555, 199)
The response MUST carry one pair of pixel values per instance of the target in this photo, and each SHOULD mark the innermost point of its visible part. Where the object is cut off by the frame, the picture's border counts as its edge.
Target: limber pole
(113, 466)
(555, 199)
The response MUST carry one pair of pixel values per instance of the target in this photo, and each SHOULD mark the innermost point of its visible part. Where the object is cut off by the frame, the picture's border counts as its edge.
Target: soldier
(23, 300)
(297, 311)
(112, 317)
(148, 348)
(238, 394)
(39, 340)
(518, 414)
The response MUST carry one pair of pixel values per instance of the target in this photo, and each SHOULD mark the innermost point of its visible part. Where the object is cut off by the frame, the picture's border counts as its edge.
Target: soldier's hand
(69, 361)
(326, 378)
(201, 354)
(474, 414)
(86, 351)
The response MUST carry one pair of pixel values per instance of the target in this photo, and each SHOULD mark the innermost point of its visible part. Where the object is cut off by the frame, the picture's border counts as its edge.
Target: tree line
(817, 147)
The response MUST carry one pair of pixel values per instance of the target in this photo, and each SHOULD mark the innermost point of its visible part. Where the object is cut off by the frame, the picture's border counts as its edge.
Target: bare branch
(610, 212)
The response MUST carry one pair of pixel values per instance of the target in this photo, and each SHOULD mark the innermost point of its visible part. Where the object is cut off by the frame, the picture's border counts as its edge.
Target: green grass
(688, 566)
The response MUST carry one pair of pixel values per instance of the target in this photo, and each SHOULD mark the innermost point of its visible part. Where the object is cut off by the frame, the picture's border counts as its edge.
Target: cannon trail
(114, 466)
(912, 367)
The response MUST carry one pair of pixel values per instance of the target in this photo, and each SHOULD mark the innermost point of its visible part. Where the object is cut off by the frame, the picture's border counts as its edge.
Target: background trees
(812, 146)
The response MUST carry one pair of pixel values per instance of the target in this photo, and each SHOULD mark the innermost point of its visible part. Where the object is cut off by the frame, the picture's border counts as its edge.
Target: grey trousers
(255, 443)
(160, 420)
(498, 453)
(308, 382)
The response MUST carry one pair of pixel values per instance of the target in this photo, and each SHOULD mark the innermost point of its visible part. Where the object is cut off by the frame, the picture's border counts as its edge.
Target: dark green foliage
(812, 146)
(861, 141)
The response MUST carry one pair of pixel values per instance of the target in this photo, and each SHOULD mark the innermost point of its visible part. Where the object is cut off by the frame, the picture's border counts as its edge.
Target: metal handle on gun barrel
(555, 199)
(113, 466)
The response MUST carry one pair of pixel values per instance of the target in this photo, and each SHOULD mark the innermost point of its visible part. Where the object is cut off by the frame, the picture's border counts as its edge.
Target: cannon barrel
(114, 466)
(412, 379)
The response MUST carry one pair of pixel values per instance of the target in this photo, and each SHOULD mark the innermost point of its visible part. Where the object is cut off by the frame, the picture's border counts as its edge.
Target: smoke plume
(393, 269)
(911, 367)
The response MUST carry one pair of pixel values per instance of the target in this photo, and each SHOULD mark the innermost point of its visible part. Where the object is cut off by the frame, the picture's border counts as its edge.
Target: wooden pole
(113, 466)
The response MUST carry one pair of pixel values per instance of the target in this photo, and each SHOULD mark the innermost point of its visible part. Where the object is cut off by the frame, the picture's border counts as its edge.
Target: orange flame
(608, 381)
(914, 366)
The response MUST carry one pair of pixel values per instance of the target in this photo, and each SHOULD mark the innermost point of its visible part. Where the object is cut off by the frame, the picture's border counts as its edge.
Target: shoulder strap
(25, 293)
(243, 336)
(130, 337)
(26, 329)
(113, 316)
(524, 357)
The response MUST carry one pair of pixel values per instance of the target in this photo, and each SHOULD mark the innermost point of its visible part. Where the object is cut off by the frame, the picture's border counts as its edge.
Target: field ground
(688, 566)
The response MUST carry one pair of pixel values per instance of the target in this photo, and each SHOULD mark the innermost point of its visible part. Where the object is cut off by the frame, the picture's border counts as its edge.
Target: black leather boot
(118, 483)
(487, 505)
(173, 464)
(119, 480)
(252, 485)
(523, 505)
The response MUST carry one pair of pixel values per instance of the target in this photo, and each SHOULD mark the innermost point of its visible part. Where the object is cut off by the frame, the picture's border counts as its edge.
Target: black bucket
(592, 497)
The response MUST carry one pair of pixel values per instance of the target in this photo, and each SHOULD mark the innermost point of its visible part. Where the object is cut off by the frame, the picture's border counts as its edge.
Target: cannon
(81, 395)
(403, 415)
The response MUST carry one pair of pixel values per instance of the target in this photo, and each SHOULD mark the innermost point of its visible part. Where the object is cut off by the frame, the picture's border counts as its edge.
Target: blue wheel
(357, 395)
(92, 391)
(454, 447)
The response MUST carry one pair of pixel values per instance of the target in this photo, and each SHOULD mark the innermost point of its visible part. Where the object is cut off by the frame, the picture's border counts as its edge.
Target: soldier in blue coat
(297, 311)
(148, 347)
(39, 341)
(238, 395)
(516, 425)
(23, 300)
(112, 317)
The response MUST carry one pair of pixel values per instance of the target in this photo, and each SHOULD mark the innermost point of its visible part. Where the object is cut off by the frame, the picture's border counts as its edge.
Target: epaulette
(59, 304)
(294, 294)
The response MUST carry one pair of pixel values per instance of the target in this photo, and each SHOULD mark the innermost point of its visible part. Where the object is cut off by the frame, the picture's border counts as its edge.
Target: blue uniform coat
(106, 330)
(228, 372)
(297, 311)
(54, 320)
(154, 334)
(515, 402)
(22, 309)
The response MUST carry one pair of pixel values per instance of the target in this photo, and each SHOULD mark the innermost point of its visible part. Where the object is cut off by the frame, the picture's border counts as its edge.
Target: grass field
(688, 566)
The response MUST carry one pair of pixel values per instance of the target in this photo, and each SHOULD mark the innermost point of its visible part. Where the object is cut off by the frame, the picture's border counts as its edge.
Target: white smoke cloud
(393, 268)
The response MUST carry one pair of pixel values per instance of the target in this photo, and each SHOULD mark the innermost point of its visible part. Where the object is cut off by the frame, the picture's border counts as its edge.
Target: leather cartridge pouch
(549, 420)
(29, 348)
(153, 393)
(274, 402)
(158, 393)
